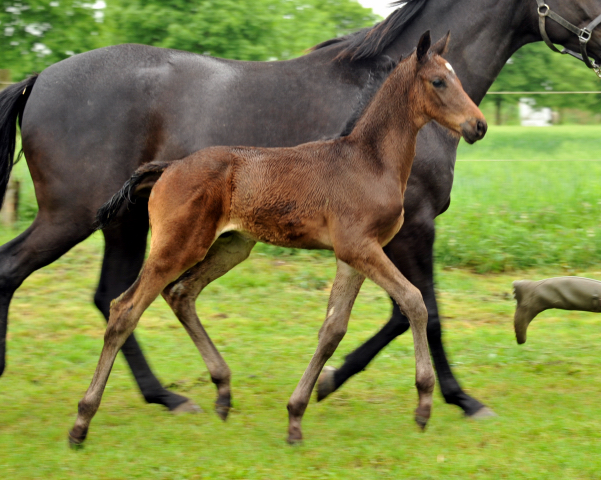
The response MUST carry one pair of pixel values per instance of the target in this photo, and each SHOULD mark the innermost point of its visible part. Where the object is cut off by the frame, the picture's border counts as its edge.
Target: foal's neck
(387, 130)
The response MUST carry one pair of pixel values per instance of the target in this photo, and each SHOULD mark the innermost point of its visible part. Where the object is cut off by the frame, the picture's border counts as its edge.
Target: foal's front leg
(342, 297)
(372, 262)
(181, 295)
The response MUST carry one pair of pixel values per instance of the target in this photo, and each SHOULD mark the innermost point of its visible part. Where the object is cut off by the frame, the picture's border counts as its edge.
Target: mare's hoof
(295, 440)
(76, 441)
(421, 422)
(222, 411)
(325, 383)
(187, 407)
(481, 414)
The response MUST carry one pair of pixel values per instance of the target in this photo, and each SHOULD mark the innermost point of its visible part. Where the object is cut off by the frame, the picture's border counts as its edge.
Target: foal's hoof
(187, 407)
(481, 414)
(222, 411)
(421, 422)
(325, 383)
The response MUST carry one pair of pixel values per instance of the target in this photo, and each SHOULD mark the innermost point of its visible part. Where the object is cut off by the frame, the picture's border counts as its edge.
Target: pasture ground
(264, 317)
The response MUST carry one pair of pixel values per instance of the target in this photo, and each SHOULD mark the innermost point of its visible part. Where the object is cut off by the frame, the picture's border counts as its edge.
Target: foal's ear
(423, 46)
(440, 47)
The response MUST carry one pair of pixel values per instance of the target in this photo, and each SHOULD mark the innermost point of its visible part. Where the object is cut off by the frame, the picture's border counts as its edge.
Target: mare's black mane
(371, 42)
(375, 81)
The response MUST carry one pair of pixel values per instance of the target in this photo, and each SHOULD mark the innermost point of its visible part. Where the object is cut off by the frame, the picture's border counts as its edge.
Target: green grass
(565, 142)
(264, 317)
(542, 207)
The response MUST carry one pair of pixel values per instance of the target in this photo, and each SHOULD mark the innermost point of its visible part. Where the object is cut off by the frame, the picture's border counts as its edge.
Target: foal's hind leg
(224, 255)
(168, 259)
(373, 263)
(342, 297)
(159, 270)
(125, 245)
(125, 313)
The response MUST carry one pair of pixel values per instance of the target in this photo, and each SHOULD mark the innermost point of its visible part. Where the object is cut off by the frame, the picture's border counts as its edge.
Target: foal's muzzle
(473, 130)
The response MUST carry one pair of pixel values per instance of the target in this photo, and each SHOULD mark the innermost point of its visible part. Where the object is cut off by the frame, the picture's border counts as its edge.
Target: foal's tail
(12, 104)
(140, 182)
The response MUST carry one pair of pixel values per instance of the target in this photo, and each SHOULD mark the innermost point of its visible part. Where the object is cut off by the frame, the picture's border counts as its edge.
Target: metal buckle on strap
(585, 35)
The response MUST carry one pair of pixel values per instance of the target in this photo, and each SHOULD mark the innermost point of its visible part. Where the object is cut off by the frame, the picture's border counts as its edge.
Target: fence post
(10, 209)
(4, 78)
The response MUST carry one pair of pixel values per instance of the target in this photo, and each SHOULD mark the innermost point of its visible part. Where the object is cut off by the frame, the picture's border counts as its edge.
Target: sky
(379, 6)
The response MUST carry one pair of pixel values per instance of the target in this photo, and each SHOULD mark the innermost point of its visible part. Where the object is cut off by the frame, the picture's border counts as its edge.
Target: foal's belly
(306, 234)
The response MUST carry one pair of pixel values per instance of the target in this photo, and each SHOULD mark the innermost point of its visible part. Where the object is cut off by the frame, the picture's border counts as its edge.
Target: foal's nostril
(481, 128)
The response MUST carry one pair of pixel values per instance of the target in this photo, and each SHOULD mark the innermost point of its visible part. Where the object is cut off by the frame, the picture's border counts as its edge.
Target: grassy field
(529, 219)
(525, 197)
(264, 317)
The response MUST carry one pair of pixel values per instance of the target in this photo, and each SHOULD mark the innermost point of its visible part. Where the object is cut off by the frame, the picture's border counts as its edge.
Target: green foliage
(536, 67)
(37, 33)
(255, 30)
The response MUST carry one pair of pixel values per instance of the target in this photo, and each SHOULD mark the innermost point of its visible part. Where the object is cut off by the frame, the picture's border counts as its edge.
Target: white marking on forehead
(448, 65)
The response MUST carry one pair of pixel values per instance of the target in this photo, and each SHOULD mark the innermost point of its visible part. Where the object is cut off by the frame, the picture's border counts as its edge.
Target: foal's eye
(438, 83)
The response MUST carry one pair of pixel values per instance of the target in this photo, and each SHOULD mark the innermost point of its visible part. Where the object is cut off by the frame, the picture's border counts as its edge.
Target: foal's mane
(371, 42)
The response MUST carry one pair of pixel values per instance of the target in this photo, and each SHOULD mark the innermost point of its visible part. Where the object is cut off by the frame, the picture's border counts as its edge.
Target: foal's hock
(345, 195)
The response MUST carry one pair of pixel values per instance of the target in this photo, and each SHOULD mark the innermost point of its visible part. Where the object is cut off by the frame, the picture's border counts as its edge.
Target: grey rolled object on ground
(565, 293)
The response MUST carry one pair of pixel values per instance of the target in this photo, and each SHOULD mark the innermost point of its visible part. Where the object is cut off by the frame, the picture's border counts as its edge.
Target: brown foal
(344, 194)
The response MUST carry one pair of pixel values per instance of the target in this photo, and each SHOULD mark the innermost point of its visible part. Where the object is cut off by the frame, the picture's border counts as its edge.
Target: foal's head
(443, 97)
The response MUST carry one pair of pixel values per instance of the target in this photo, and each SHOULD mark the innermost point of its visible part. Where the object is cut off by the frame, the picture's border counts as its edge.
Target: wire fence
(544, 92)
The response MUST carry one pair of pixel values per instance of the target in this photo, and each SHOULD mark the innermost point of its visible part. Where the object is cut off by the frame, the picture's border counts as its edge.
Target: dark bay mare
(344, 194)
(89, 121)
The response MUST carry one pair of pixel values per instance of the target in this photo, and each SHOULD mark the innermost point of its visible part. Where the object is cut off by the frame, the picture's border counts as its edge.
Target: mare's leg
(225, 254)
(373, 263)
(344, 291)
(125, 246)
(413, 255)
(46, 239)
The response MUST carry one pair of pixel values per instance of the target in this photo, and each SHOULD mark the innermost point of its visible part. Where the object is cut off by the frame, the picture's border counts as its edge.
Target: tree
(38, 33)
(536, 67)
(250, 30)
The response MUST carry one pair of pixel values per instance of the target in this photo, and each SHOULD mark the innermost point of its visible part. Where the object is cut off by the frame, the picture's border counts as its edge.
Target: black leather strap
(584, 34)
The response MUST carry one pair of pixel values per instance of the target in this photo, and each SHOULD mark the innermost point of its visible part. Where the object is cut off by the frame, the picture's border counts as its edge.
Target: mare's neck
(387, 131)
(484, 35)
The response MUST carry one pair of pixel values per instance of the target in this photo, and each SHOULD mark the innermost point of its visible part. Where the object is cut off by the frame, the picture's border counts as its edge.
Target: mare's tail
(12, 104)
(140, 183)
